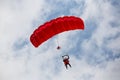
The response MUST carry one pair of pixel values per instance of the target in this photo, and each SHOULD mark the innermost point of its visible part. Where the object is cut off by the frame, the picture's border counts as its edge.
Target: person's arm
(63, 57)
(68, 56)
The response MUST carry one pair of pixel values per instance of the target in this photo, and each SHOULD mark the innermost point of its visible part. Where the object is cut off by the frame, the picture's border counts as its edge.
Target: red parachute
(55, 26)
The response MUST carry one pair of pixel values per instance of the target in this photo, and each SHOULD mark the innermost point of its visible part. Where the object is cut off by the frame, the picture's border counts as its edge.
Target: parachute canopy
(55, 26)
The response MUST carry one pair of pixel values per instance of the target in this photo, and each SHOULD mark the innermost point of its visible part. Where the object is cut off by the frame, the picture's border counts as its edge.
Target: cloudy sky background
(94, 53)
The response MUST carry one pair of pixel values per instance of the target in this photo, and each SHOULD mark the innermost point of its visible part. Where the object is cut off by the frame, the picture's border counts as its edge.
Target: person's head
(64, 57)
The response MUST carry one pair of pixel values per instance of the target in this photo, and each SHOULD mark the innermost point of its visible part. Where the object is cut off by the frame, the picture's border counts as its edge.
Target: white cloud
(114, 45)
(103, 16)
(111, 72)
(16, 19)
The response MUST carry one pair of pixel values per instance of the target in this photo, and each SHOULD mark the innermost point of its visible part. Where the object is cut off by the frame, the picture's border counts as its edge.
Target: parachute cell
(55, 26)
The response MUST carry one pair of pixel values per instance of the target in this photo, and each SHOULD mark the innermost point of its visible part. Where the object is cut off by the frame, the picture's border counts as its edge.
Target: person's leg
(66, 66)
(69, 65)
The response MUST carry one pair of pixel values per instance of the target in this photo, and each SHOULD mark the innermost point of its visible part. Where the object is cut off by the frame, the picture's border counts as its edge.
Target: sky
(94, 52)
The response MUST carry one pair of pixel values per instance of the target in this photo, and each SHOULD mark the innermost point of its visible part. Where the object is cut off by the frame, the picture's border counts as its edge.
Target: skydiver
(66, 60)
